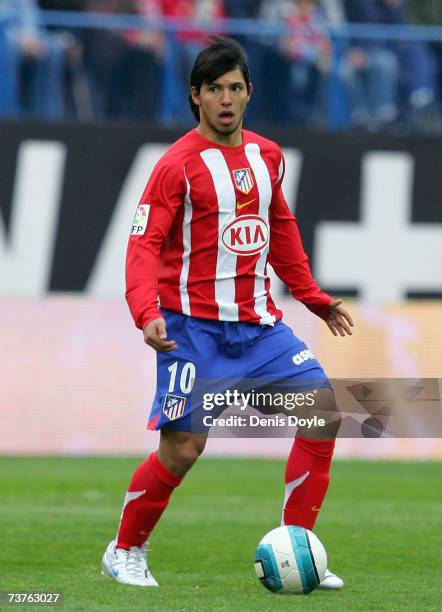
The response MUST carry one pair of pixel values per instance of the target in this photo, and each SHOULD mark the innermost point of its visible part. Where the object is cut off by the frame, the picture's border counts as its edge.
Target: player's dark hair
(221, 56)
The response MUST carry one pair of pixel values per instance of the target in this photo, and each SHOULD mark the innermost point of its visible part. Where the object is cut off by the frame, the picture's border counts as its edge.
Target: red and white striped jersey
(210, 219)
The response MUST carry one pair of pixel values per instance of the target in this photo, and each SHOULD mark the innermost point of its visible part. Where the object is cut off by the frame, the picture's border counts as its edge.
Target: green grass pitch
(381, 526)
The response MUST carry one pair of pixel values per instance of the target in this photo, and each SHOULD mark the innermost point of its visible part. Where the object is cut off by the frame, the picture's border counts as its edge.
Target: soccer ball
(290, 559)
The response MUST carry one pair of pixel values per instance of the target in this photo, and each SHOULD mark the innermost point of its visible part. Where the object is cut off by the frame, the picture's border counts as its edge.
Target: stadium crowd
(318, 80)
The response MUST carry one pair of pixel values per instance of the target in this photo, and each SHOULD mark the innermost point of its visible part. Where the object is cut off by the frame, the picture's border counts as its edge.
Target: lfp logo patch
(173, 406)
(140, 221)
(243, 180)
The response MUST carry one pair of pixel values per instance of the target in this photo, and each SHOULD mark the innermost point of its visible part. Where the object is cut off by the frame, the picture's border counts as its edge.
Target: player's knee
(185, 455)
(180, 451)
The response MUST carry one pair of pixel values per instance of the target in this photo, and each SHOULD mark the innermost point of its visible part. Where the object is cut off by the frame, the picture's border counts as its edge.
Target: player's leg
(148, 495)
(307, 473)
(286, 358)
(154, 481)
(307, 476)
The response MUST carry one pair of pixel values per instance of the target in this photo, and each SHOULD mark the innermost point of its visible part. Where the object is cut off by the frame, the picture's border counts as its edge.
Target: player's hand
(338, 319)
(155, 334)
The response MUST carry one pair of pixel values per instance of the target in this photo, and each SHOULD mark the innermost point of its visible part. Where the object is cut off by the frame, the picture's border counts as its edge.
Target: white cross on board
(384, 255)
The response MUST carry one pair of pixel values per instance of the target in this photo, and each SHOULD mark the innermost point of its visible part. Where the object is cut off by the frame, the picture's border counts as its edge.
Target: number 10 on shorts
(187, 377)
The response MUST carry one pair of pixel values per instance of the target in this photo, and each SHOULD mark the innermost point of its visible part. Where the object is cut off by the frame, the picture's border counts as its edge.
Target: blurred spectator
(370, 72)
(183, 49)
(77, 94)
(255, 51)
(122, 66)
(144, 57)
(427, 12)
(104, 52)
(417, 65)
(430, 12)
(199, 11)
(303, 55)
(334, 12)
(242, 9)
(33, 63)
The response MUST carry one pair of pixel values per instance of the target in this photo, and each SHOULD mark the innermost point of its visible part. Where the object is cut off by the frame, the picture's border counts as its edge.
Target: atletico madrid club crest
(173, 406)
(243, 180)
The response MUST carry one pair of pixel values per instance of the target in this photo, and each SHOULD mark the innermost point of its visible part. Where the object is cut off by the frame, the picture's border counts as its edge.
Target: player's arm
(290, 262)
(163, 196)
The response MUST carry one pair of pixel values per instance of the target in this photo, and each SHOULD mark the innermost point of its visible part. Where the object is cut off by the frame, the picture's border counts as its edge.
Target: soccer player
(211, 217)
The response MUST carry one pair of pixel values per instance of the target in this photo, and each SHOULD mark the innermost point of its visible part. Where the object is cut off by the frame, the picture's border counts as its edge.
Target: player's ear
(195, 95)
(250, 91)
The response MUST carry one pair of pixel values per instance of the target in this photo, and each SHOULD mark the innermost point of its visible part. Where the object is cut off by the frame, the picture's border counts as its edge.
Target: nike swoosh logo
(291, 486)
(315, 509)
(239, 206)
(132, 496)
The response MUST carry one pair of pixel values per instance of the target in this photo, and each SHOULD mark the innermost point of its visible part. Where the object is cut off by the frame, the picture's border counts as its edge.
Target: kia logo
(246, 235)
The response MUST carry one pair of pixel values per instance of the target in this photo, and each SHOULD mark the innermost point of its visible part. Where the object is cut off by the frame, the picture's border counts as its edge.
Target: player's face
(222, 105)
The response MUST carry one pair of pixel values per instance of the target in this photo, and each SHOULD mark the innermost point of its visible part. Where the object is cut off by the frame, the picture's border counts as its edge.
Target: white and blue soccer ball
(290, 559)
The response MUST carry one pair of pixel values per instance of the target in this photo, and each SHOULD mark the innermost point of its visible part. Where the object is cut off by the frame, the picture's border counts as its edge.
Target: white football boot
(127, 566)
(331, 581)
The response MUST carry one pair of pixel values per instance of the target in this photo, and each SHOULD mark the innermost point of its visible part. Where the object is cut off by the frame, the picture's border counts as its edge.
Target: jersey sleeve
(161, 199)
(287, 255)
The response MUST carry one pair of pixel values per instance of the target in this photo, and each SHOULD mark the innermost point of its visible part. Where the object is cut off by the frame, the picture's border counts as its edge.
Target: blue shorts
(220, 355)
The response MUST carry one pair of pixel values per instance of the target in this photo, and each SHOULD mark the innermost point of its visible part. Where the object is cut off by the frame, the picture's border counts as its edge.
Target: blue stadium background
(334, 64)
